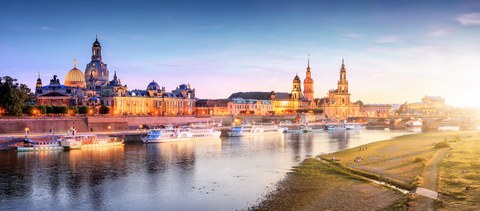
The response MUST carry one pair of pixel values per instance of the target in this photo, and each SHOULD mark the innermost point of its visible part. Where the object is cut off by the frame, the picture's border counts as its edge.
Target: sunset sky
(395, 51)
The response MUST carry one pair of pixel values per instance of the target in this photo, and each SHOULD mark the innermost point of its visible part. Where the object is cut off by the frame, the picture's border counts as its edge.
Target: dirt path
(430, 179)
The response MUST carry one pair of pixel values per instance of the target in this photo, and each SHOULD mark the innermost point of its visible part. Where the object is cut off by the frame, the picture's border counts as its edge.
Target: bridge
(429, 122)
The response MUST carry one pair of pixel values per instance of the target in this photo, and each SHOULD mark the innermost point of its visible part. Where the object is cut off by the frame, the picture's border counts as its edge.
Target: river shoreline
(341, 180)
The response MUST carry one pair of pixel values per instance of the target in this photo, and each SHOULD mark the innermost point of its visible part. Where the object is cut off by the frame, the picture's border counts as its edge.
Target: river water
(217, 174)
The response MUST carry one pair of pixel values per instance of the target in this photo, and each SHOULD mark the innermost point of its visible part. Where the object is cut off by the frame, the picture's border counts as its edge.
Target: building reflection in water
(147, 176)
(339, 137)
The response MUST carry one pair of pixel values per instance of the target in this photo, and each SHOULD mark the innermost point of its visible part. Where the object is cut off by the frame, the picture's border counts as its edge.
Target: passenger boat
(51, 143)
(249, 130)
(298, 129)
(88, 141)
(355, 126)
(204, 132)
(180, 134)
(335, 127)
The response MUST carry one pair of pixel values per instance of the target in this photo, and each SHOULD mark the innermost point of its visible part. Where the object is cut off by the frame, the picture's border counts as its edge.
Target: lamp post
(109, 127)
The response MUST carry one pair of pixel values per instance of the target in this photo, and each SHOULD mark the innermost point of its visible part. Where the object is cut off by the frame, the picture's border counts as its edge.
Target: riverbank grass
(459, 173)
(402, 158)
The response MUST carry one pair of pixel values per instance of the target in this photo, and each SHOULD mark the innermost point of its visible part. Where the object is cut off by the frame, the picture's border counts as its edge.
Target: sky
(394, 51)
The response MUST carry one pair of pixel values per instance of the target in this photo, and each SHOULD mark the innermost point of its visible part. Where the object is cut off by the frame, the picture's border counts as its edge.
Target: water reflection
(216, 174)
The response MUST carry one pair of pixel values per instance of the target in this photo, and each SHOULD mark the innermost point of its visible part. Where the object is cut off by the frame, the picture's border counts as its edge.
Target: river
(218, 174)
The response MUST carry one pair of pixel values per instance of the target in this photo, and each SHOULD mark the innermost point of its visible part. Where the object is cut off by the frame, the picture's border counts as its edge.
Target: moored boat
(298, 129)
(88, 141)
(355, 126)
(180, 134)
(335, 127)
(249, 130)
(48, 143)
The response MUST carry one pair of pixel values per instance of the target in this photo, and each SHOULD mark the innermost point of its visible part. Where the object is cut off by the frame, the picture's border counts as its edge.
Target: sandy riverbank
(408, 161)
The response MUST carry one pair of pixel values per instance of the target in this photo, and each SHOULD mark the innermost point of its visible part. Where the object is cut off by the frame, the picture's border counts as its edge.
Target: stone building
(93, 89)
(376, 110)
(155, 101)
(96, 68)
(212, 107)
(429, 105)
(337, 104)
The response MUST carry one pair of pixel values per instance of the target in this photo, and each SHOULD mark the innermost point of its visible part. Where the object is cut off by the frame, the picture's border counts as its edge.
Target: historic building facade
(337, 104)
(155, 101)
(429, 105)
(93, 89)
(376, 110)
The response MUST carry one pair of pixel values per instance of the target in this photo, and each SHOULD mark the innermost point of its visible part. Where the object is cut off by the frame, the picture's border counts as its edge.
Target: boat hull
(145, 140)
(242, 134)
(31, 149)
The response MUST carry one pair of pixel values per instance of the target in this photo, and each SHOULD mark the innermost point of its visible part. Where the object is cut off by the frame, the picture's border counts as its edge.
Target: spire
(343, 64)
(74, 63)
(38, 74)
(308, 64)
(115, 76)
(96, 37)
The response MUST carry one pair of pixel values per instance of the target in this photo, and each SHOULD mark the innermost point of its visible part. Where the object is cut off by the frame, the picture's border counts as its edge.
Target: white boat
(40, 145)
(335, 127)
(250, 130)
(298, 129)
(180, 134)
(355, 126)
(88, 141)
(204, 132)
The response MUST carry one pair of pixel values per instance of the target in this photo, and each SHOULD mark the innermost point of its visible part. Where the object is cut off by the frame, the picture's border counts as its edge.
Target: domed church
(93, 88)
(96, 67)
(75, 77)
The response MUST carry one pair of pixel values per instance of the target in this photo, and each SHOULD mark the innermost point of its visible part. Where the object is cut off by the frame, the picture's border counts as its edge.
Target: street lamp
(109, 127)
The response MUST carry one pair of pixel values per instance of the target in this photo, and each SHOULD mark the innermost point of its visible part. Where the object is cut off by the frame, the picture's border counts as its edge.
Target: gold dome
(75, 77)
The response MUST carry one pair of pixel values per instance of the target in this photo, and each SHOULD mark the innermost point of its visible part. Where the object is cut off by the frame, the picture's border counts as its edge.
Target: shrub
(419, 160)
(442, 144)
(418, 181)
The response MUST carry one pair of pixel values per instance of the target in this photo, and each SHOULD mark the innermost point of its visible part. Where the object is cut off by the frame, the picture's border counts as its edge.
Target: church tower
(96, 51)
(38, 86)
(96, 67)
(308, 83)
(343, 83)
(342, 91)
(296, 89)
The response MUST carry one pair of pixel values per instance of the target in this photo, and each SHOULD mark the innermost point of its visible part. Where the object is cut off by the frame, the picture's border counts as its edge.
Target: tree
(49, 109)
(13, 96)
(42, 109)
(82, 110)
(104, 109)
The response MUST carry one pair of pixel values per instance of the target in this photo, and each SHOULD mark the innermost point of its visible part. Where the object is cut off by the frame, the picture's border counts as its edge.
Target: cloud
(469, 19)
(437, 32)
(389, 39)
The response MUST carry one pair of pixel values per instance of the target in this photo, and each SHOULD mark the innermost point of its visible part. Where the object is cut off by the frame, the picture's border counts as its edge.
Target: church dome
(296, 79)
(75, 78)
(153, 86)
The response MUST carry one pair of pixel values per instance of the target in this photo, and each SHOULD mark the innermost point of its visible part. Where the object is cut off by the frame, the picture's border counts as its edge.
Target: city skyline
(393, 52)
